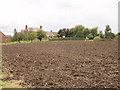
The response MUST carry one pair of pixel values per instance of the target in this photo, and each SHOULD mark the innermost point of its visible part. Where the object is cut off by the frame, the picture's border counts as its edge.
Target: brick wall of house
(4, 38)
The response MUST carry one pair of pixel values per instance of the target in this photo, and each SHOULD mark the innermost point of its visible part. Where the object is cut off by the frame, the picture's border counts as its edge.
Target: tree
(94, 31)
(107, 32)
(20, 36)
(86, 32)
(61, 32)
(15, 36)
(77, 31)
(72, 32)
(41, 34)
(108, 29)
(80, 34)
(31, 35)
(111, 35)
(79, 28)
(101, 34)
(67, 33)
(118, 33)
(90, 36)
(58, 35)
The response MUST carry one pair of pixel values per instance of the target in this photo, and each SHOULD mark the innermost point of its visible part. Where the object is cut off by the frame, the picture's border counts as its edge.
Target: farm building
(51, 34)
(34, 29)
(4, 38)
(30, 29)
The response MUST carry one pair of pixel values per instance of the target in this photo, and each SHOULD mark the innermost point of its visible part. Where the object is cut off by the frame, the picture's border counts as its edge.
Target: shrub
(90, 36)
(97, 38)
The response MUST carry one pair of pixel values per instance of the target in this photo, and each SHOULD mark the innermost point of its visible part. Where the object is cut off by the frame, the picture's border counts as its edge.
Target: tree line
(78, 31)
(28, 36)
(83, 32)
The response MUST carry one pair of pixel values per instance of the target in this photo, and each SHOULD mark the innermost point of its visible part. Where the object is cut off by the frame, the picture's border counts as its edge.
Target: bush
(97, 38)
(90, 36)
(112, 35)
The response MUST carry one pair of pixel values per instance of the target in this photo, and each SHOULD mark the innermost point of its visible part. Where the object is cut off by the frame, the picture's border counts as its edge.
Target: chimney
(40, 27)
(26, 27)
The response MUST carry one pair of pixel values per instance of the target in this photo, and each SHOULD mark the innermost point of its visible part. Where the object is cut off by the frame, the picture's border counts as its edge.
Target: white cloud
(56, 14)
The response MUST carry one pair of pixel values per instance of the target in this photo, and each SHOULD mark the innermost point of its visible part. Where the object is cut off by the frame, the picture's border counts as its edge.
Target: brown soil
(71, 64)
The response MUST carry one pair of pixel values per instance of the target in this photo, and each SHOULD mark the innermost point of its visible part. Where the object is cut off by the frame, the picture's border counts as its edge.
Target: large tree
(77, 31)
(15, 36)
(31, 35)
(61, 32)
(86, 32)
(20, 36)
(72, 32)
(80, 33)
(41, 34)
(107, 32)
(94, 31)
(79, 28)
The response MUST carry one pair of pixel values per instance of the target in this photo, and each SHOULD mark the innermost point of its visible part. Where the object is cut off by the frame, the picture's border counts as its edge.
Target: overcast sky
(57, 14)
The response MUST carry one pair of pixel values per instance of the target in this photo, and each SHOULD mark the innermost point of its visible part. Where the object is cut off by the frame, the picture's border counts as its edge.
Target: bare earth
(71, 64)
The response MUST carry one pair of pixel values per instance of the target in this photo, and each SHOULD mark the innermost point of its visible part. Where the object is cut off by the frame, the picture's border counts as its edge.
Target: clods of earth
(70, 64)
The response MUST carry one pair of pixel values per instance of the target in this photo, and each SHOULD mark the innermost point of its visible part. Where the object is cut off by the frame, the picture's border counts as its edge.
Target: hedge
(67, 38)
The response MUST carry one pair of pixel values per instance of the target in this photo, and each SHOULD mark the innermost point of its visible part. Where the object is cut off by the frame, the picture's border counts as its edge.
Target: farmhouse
(4, 38)
(49, 34)
(30, 29)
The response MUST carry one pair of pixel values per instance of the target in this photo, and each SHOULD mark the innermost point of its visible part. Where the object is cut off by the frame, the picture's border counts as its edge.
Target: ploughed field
(71, 64)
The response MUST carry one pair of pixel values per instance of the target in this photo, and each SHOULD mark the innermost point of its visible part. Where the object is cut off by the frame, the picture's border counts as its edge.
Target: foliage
(80, 33)
(107, 32)
(61, 33)
(97, 38)
(18, 36)
(86, 32)
(72, 32)
(58, 35)
(118, 33)
(41, 34)
(90, 36)
(94, 31)
(31, 35)
(101, 34)
(14, 38)
(111, 35)
(21, 36)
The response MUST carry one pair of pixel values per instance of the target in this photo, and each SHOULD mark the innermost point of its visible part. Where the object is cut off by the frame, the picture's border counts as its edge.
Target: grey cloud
(56, 14)
(8, 29)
